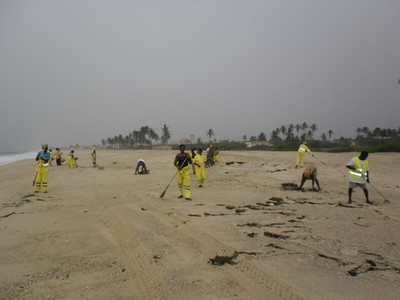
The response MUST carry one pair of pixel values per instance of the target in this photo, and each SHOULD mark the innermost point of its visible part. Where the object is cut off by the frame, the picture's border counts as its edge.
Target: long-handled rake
(163, 193)
(34, 178)
(386, 200)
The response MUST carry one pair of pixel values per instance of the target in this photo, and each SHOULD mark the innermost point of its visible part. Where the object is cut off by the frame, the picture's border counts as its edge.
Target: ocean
(8, 158)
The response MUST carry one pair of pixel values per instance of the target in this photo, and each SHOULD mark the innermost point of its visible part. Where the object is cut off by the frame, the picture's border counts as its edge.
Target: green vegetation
(283, 138)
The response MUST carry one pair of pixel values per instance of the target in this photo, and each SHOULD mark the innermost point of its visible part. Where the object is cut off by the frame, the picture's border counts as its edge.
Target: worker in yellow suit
(59, 158)
(94, 158)
(42, 170)
(300, 154)
(182, 163)
(216, 155)
(51, 156)
(71, 160)
(199, 164)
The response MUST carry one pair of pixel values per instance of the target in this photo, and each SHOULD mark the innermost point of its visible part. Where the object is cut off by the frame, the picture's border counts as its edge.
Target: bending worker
(310, 172)
(42, 170)
(300, 154)
(142, 165)
(359, 174)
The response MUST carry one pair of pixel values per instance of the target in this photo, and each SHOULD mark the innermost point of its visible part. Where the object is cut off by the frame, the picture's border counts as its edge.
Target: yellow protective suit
(71, 162)
(216, 156)
(183, 177)
(42, 173)
(300, 155)
(200, 168)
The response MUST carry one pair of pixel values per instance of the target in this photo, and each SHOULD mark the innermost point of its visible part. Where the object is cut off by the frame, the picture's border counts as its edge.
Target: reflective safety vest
(359, 172)
(303, 148)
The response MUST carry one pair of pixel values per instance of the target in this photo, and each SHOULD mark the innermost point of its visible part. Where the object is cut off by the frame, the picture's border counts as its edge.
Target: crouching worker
(141, 164)
(310, 172)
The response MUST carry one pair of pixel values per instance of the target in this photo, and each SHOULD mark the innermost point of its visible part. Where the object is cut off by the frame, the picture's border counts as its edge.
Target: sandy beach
(106, 234)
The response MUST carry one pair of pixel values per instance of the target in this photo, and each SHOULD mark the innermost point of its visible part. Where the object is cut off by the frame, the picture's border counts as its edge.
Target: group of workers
(199, 164)
(358, 168)
(358, 172)
(44, 159)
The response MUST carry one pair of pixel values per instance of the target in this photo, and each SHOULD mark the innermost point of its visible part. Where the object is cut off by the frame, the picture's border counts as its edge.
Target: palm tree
(283, 130)
(289, 132)
(323, 137)
(244, 137)
(153, 135)
(210, 134)
(365, 130)
(262, 137)
(330, 132)
(304, 127)
(274, 134)
(313, 128)
(166, 135)
(298, 127)
(310, 134)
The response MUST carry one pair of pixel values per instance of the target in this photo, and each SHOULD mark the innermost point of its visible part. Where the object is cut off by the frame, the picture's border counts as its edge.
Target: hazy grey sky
(80, 71)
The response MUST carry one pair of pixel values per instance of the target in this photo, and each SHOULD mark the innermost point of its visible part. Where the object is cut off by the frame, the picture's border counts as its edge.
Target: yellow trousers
(300, 159)
(200, 174)
(41, 178)
(71, 162)
(183, 177)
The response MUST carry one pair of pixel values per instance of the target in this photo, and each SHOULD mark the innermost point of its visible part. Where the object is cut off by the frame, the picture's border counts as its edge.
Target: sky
(79, 71)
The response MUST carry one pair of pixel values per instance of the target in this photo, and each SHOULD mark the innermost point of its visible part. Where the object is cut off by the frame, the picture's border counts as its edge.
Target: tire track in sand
(147, 284)
(207, 243)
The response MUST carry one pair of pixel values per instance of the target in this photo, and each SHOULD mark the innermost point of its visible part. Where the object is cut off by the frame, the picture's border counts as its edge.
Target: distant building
(258, 143)
(185, 141)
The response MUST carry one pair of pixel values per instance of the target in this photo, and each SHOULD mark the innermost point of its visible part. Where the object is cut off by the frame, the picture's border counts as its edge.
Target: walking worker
(141, 164)
(310, 172)
(94, 158)
(216, 155)
(300, 154)
(210, 156)
(59, 159)
(42, 169)
(199, 164)
(359, 174)
(182, 162)
(72, 159)
(51, 156)
(192, 155)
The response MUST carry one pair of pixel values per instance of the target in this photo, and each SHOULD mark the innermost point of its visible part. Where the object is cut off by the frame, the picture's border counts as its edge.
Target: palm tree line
(138, 138)
(366, 136)
(292, 133)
